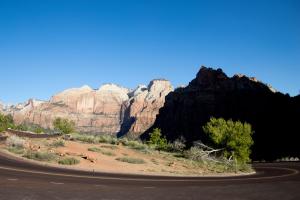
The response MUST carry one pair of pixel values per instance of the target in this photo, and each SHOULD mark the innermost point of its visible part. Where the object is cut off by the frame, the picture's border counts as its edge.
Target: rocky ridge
(213, 94)
(104, 110)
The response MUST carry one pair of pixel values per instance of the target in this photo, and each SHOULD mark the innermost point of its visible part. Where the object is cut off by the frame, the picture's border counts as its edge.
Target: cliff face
(273, 115)
(98, 111)
(141, 109)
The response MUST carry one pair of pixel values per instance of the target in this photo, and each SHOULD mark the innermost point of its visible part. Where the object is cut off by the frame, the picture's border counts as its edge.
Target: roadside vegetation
(15, 144)
(68, 161)
(63, 126)
(57, 143)
(6, 122)
(229, 148)
(131, 160)
(39, 156)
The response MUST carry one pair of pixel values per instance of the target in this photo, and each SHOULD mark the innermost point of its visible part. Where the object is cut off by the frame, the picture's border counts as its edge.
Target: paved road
(26, 181)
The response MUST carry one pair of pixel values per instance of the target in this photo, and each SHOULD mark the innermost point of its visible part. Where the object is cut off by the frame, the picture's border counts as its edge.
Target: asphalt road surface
(26, 181)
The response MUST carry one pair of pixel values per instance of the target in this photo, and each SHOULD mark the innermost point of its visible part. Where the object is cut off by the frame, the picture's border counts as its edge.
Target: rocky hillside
(110, 109)
(273, 115)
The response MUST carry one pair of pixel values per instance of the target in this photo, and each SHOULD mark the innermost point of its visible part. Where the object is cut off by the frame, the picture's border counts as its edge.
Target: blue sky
(48, 46)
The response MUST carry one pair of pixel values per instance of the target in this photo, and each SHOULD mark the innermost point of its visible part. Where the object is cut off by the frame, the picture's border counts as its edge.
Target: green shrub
(16, 150)
(234, 137)
(133, 144)
(131, 160)
(84, 138)
(40, 156)
(38, 130)
(69, 161)
(64, 126)
(30, 127)
(105, 138)
(156, 139)
(6, 121)
(21, 127)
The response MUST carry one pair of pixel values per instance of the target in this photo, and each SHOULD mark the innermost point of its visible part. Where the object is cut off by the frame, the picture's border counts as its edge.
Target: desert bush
(6, 121)
(131, 160)
(16, 150)
(234, 137)
(57, 143)
(15, 141)
(105, 138)
(156, 140)
(196, 154)
(64, 126)
(178, 145)
(94, 139)
(133, 144)
(83, 138)
(69, 161)
(21, 127)
(40, 156)
(30, 127)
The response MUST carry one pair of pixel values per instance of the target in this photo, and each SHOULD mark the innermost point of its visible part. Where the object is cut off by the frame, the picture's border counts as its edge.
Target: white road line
(150, 187)
(55, 183)
(12, 179)
(100, 186)
(201, 179)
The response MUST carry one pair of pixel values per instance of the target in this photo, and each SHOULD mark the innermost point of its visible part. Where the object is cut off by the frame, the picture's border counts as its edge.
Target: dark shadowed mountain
(274, 116)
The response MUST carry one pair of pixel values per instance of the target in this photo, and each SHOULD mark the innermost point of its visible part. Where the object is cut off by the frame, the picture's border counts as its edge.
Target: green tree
(234, 137)
(64, 126)
(157, 140)
(6, 121)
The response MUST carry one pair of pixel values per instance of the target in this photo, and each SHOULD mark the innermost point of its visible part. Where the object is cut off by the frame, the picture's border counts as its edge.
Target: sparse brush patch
(131, 160)
(134, 144)
(154, 161)
(216, 164)
(40, 156)
(109, 139)
(178, 145)
(107, 153)
(57, 143)
(83, 138)
(16, 150)
(69, 161)
(94, 139)
(109, 147)
(15, 141)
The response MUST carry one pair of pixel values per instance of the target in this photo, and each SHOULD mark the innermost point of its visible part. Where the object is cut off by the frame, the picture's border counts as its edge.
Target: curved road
(27, 181)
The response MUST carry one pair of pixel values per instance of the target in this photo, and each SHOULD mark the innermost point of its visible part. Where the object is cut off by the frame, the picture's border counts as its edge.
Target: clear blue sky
(48, 46)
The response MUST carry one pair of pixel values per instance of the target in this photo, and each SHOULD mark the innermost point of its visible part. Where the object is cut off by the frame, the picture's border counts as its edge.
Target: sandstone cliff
(273, 115)
(141, 109)
(104, 110)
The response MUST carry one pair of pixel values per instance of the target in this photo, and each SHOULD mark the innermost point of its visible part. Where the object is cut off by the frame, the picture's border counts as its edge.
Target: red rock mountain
(105, 110)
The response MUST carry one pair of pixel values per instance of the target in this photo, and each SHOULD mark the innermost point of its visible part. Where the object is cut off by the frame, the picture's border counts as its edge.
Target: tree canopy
(234, 137)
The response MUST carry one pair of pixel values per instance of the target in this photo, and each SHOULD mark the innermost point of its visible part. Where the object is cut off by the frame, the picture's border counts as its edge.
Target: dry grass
(131, 160)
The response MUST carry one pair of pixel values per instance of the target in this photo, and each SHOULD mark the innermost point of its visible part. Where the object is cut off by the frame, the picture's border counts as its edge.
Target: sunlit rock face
(103, 110)
(273, 115)
(143, 106)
